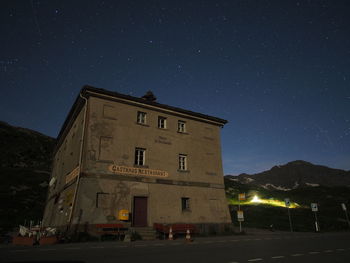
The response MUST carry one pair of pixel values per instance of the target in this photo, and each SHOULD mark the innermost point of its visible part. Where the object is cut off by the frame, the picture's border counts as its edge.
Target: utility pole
(240, 216)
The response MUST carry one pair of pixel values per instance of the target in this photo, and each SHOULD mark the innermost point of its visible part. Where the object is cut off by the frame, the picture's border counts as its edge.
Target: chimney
(149, 96)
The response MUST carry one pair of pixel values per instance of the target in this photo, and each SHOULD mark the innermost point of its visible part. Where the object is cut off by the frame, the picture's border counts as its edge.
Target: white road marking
(268, 238)
(328, 251)
(277, 257)
(257, 239)
(297, 255)
(255, 259)
(314, 252)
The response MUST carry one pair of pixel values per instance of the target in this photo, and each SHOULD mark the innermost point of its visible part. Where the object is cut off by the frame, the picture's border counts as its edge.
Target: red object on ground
(48, 240)
(24, 241)
(176, 228)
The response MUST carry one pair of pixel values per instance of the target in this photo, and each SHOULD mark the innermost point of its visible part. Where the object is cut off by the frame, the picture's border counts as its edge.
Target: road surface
(258, 247)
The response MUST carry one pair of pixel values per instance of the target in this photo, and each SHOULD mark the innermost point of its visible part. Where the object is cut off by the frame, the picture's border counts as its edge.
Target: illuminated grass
(257, 201)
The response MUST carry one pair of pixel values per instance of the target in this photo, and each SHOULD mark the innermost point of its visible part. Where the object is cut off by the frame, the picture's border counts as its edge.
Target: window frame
(182, 162)
(138, 161)
(141, 117)
(181, 126)
(185, 204)
(164, 119)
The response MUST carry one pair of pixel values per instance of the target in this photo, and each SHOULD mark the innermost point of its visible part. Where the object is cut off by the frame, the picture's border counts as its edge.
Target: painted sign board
(287, 202)
(241, 197)
(74, 173)
(125, 170)
(314, 207)
(343, 206)
(240, 215)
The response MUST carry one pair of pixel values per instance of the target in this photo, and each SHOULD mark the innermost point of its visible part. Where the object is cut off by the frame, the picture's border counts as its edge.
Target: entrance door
(140, 211)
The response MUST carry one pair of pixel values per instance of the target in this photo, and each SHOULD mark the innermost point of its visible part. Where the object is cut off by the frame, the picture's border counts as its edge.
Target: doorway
(140, 211)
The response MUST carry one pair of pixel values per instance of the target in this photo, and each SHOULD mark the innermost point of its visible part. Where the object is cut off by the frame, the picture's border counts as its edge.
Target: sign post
(346, 213)
(240, 216)
(287, 203)
(314, 208)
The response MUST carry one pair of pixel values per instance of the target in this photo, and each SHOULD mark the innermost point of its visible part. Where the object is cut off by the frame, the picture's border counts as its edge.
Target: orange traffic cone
(188, 236)
(171, 234)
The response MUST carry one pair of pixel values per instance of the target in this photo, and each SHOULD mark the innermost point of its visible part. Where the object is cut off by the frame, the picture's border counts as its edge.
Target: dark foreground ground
(256, 246)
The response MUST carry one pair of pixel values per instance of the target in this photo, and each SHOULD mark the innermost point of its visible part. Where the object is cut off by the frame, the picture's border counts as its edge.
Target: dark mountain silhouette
(294, 175)
(25, 164)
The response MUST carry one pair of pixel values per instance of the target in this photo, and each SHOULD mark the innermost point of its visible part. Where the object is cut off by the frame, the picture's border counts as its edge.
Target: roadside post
(314, 208)
(287, 203)
(240, 218)
(346, 213)
(240, 215)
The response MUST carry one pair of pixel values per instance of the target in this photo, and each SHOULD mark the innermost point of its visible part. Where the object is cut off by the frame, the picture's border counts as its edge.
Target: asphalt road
(255, 247)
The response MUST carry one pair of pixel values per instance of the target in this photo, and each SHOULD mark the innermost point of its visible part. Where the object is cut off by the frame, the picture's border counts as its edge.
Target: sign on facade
(124, 170)
(314, 207)
(74, 173)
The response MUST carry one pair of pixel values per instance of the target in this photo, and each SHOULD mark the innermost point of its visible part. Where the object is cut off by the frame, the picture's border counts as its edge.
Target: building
(117, 152)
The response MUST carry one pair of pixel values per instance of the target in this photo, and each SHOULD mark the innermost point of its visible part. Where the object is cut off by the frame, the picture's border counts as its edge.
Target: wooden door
(140, 211)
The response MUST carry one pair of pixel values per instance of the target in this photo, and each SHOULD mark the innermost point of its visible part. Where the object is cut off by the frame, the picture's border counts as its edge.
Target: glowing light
(256, 199)
(271, 202)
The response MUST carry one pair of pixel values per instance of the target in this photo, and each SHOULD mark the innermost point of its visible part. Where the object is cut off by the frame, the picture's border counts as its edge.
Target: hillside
(294, 175)
(24, 173)
(329, 199)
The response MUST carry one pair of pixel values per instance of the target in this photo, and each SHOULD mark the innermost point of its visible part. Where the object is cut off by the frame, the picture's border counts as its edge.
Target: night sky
(278, 71)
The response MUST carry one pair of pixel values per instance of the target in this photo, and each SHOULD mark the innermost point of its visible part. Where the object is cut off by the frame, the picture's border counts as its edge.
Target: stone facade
(115, 152)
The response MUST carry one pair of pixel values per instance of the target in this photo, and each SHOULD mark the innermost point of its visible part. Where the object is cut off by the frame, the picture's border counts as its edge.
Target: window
(181, 126)
(161, 122)
(182, 162)
(185, 204)
(140, 156)
(141, 117)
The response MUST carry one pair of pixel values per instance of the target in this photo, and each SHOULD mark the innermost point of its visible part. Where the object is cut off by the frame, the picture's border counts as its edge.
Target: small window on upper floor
(141, 117)
(182, 162)
(161, 122)
(181, 126)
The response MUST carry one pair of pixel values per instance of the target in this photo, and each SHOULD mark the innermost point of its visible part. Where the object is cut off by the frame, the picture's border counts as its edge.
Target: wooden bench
(111, 229)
